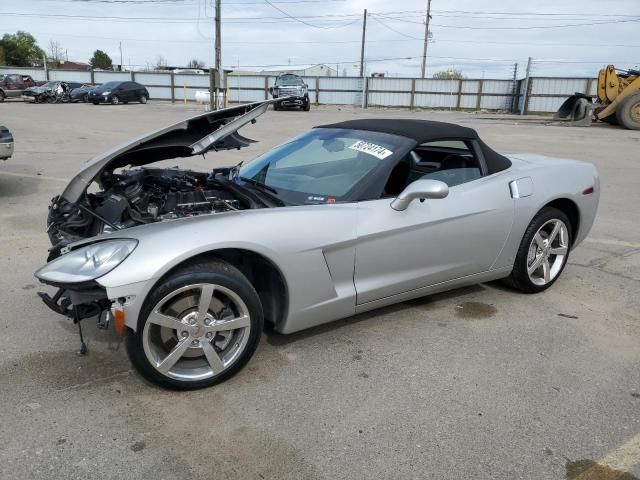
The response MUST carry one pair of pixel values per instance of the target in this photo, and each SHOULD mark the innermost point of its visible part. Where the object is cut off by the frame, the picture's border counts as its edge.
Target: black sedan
(119, 92)
(81, 94)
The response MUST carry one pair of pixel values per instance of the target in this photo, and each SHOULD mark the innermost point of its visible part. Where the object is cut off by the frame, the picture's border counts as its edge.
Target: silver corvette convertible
(342, 219)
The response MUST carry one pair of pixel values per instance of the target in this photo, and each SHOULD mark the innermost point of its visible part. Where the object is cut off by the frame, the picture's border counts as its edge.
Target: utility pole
(514, 86)
(364, 33)
(218, 59)
(525, 95)
(426, 39)
(120, 56)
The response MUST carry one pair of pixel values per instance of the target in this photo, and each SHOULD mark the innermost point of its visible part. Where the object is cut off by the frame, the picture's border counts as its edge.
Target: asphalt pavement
(478, 383)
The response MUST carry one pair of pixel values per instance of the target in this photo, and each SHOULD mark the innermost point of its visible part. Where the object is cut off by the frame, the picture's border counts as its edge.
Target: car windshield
(323, 165)
(2, 77)
(289, 81)
(110, 85)
(51, 84)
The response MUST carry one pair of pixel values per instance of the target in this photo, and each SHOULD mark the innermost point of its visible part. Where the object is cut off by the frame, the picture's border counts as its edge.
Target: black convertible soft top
(423, 131)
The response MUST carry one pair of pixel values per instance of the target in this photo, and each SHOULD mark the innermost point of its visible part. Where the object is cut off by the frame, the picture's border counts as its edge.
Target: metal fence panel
(103, 77)
(160, 93)
(470, 86)
(557, 86)
(436, 85)
(497, 86)
(340, 83)
(147, 79)
(545, 104)
(246, 81)
(340, 98)
(468, 101)
(495, 102)
(191, 80)
(70, 76)
(387, 84)
(546, 93)
(435, 100)
(389, 99)
(238, 95)
(36, 73)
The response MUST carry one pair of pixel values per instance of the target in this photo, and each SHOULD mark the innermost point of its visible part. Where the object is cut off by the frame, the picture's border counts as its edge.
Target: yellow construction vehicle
(618, 101)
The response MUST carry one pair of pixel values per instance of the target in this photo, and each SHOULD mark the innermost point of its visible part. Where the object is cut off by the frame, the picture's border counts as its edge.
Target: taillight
(587, 191)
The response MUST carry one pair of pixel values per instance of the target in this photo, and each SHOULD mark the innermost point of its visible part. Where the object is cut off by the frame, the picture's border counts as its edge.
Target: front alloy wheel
(200, 327)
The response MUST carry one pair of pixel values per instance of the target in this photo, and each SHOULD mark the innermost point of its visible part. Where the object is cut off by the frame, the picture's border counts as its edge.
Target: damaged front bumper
(108, 306)
(81, 294)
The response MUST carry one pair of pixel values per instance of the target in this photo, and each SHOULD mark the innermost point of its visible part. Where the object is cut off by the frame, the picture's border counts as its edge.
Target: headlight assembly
(87, 263)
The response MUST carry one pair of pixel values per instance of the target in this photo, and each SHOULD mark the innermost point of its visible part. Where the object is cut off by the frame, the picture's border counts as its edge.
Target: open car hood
(217, 130)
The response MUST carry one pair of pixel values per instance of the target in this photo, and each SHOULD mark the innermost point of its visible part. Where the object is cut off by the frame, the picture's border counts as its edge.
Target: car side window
(451, 161)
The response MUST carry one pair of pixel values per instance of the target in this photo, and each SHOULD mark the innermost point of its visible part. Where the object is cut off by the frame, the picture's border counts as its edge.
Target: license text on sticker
(372, 149)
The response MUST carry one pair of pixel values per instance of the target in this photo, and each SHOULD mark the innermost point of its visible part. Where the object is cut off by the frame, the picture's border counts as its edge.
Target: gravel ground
(478, 383)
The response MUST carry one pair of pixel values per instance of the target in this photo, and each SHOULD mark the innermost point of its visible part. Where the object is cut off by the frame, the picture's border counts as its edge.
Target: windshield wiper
(258, 184)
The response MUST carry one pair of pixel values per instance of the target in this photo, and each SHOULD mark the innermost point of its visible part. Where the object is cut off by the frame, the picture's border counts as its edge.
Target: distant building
(319, 70)
(68, 65)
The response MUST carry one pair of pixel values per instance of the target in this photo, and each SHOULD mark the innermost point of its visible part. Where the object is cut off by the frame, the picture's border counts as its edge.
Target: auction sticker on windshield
(372, 149)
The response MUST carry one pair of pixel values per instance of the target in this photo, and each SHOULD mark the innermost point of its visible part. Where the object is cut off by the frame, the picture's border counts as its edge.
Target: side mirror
(420, 189)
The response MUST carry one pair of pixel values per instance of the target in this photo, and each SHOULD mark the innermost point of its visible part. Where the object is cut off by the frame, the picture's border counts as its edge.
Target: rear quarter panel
(553, 179)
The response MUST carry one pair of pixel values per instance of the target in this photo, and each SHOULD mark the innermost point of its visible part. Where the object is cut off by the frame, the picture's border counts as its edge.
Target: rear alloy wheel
(115, 100)
(628, 113)
(543, 252)
(197, 328)
(143, 99)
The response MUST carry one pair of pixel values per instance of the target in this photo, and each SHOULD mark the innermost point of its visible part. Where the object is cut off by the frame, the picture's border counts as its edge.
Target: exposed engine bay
(140, 196)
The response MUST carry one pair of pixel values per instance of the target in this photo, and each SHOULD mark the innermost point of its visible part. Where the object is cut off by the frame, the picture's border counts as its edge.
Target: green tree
(101, 60)
(21, 49)
(449, 74)
(195, 63)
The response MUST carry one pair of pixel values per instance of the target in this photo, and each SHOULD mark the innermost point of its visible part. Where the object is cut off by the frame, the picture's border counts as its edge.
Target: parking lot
(480, 382)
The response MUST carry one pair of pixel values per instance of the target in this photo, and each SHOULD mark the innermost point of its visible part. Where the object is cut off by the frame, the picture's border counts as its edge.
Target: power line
(297, 19)
(394, 30)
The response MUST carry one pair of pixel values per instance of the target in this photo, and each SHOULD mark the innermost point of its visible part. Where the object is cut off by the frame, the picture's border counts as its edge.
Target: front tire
(197, 328)
(628, 113)
(543, 252)
(115, 100)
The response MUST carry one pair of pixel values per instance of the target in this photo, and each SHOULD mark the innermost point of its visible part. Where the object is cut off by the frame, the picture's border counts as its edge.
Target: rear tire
(628, 113)
(143, 99)
(2, 96)
(204, 351)
(542, 256)
(95, 103)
